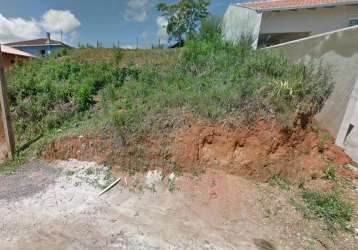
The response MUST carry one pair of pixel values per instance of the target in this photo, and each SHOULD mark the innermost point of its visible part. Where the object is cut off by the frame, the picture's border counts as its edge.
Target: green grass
(330, 207)
(330, 173)
(279, 181)
(135, 93)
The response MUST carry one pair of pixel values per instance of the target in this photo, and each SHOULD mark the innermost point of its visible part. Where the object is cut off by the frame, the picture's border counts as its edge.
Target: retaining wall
(339, 49)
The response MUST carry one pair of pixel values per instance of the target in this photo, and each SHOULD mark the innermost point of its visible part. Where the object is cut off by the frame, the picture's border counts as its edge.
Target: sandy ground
(57, 206)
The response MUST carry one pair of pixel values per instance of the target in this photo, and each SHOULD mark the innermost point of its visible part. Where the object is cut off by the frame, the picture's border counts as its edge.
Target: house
(11, 56)
(39, 47)
(277, 21)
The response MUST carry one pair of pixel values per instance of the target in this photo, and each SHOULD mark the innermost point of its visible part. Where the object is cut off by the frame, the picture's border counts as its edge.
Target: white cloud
(54, 21)
(18, 28)
(162, 24)
(136, 10)
(127, 46)
(59, 20)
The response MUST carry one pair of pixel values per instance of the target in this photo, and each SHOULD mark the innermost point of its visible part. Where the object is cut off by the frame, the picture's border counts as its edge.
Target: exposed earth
(197, 185)
(57, 206)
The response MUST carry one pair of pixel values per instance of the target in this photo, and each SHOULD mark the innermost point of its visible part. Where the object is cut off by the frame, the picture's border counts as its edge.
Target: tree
(184, 17)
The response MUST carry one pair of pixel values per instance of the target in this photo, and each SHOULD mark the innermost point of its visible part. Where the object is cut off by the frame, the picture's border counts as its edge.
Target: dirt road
(57, 206)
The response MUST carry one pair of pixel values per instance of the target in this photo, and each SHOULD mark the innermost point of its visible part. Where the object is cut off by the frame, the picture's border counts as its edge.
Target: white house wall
(316, 21)
(239, 22)
(339, 50)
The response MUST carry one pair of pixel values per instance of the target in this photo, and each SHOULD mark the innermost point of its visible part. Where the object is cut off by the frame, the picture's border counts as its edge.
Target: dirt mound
(259, 152)
(92, 148)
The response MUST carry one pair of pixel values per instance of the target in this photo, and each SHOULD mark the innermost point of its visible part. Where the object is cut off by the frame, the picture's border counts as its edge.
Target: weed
(300, 208)
(330, 207)
(44, 93)
(118, 55)
(197, 172)
(210, 77)
(12, 164)
(152, 188)
(330, 173)
(70, 173)
(277, 180)
(141, 188)
(177, 169)
(171, 185)
(301, 184)
(322, 146)
(90, 171)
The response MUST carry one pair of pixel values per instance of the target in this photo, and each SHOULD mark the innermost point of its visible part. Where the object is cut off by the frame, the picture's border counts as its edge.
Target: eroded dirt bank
(257, 152)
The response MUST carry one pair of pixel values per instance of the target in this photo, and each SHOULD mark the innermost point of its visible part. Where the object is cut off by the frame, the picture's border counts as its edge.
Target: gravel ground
(57, 206)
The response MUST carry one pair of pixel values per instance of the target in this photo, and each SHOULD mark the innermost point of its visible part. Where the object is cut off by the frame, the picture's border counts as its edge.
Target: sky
(110, 22)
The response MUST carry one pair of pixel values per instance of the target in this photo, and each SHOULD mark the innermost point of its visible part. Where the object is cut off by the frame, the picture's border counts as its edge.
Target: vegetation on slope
(130, 91)
(212, 78)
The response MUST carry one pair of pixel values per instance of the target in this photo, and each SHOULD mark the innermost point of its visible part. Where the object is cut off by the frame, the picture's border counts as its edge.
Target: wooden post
(5, 112)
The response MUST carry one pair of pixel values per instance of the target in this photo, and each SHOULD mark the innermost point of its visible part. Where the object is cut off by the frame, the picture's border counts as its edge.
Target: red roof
(271, 5)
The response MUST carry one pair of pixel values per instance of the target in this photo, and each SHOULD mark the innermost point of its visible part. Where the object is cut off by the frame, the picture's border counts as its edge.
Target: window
(12, 61)
(353, 21)
(268, 39)
(42, 52)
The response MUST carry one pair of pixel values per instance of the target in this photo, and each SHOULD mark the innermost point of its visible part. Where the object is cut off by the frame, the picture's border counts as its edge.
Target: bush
(118, 55)
(83, 96)
(213, 78)
(220, 80)
(45, 92)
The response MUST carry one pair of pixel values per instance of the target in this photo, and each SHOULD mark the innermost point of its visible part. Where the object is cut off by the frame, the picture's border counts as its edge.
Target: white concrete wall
(339, 49)
(238, 22)
(316, 21)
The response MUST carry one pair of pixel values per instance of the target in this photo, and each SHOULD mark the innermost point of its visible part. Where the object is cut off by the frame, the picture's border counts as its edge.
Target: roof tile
(292, 4)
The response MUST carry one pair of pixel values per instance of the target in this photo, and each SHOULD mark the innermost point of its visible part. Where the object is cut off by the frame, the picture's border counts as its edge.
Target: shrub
(118, 55)
(45, 92)
(212, 78)
(83, 97)
(218, 80)
(330, 173)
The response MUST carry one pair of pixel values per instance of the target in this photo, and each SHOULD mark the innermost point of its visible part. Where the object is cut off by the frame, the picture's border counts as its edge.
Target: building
(277, 21)
(39, 47)
(11, 56)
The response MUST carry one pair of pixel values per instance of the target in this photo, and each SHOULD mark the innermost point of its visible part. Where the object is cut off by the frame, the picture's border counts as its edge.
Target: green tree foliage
(184, 17)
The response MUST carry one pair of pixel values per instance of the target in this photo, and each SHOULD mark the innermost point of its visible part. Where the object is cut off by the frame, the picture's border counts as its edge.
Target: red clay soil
(255, 153)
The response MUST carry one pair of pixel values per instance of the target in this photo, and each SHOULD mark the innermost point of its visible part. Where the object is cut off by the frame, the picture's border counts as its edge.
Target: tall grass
(212, 78)
(44, 93)
(219, 80)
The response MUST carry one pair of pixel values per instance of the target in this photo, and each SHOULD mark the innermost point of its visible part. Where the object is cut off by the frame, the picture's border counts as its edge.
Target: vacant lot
(216, 145)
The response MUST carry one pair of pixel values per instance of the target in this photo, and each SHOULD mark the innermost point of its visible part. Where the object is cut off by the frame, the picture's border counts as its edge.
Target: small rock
(153, 177)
